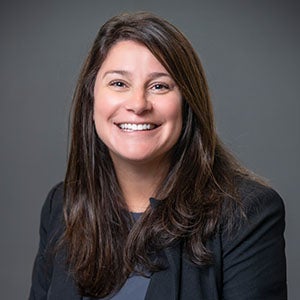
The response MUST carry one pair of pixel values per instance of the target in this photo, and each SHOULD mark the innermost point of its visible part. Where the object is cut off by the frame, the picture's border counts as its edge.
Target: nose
(137, 102)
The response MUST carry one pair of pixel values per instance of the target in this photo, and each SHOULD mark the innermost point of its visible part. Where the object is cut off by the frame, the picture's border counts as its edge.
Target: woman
(153, 206)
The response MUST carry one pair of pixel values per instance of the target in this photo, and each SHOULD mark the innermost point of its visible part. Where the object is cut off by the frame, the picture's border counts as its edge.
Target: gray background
(250, 50)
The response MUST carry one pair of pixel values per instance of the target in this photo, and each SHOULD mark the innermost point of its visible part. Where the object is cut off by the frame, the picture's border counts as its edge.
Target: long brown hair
(103, 244)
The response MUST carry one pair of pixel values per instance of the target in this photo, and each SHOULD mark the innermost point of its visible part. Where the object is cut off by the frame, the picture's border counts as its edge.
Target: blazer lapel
(164, 285)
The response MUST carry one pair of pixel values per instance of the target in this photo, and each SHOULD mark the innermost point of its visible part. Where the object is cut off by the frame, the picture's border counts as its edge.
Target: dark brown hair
(102, 243)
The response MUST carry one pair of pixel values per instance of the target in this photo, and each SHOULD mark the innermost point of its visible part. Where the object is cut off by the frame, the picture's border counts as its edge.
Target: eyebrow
(151, 76)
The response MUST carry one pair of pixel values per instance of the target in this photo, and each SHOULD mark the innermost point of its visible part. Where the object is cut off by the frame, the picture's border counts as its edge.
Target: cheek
(177, 118)
(100, 115)
(97, 114)
(102, 106)
(173, 111)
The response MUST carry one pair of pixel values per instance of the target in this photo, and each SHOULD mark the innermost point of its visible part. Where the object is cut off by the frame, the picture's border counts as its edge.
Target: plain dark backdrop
(250, 51)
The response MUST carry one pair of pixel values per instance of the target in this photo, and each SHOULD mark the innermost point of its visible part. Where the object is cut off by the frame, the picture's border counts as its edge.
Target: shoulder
(250, 189)
(259, 216)
(254, 201)
(258, 200)
(54, 200)
(52, 211)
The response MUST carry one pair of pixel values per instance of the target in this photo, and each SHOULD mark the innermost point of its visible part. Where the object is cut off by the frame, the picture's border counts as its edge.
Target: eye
(160, 87)
(117, 84)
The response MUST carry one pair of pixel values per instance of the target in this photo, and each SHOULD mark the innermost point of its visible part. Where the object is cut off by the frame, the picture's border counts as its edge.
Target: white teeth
(135, 127)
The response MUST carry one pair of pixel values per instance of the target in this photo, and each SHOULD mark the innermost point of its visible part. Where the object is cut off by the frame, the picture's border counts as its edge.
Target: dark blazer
(249, 264)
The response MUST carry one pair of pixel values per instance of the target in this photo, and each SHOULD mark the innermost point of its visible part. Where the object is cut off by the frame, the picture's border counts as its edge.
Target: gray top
(135, 288)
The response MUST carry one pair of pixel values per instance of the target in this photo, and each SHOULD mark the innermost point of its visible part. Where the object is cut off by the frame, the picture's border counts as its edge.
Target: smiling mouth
(137, 127)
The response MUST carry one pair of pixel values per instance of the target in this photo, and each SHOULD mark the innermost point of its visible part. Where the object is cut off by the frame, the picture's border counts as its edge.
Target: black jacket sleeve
(42, 269)
(254, 264)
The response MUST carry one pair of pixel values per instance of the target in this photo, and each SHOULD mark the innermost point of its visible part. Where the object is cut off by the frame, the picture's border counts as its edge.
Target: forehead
(128, 53)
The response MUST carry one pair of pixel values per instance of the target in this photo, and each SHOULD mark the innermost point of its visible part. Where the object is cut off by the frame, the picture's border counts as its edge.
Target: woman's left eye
(160, 87)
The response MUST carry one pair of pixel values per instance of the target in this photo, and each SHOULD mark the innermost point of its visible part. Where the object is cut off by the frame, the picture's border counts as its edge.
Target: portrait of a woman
(153, 206)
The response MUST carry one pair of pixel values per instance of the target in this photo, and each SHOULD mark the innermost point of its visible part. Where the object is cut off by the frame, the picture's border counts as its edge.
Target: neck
(139, 182)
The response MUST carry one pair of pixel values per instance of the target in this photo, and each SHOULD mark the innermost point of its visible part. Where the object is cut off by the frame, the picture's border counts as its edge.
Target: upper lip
(137, 123)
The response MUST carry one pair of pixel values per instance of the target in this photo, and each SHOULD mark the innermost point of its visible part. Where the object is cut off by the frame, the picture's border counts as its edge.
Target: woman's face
(137, 105)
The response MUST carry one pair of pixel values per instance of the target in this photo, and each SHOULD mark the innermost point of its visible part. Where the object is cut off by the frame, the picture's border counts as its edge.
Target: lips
(137, 126)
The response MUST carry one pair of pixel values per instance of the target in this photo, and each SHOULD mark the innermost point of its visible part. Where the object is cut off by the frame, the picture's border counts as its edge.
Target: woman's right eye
(117, 84)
